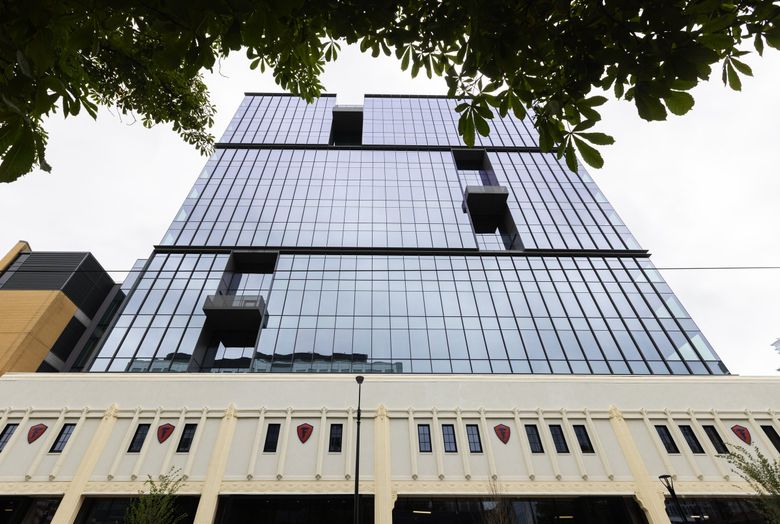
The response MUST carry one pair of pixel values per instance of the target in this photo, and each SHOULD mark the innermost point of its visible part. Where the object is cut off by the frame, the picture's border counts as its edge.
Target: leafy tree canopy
(145, 57)
(762, 475)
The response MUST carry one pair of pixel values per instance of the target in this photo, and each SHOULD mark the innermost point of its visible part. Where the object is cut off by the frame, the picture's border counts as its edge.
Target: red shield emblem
(35, 432)
(742, 433)
(164, 431)
(502, 432)
(304, 432)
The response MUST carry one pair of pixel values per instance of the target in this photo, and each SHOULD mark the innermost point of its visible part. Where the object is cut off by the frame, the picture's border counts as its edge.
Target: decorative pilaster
(648, 492)
(383, 488)
(71, 500)
(207, 507)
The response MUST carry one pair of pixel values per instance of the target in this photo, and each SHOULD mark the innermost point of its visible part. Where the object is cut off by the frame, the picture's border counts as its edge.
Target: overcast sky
(697, 191)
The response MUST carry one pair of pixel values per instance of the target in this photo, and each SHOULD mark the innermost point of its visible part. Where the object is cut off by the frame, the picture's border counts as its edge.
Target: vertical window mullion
(7, 433)
(666, 439)
(62, 438)
(534, 438)
(448, 435)
(475, 442)
(715, 439)
(581, 432)
(138, 438)
(334, 442)
(187, 435)
(424, 438)
(556, 431)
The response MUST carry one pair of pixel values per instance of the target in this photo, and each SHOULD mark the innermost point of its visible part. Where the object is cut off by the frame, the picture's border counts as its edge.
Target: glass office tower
(326, 238)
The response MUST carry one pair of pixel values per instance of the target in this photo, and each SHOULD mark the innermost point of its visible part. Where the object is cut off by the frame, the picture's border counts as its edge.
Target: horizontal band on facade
(405, 251)
(377, 147)
(385, 95)
(259, 93)
(367, 95)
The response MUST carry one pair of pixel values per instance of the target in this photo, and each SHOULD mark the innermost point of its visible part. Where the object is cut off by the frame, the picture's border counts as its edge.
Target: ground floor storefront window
(715, 510)
(112, 510)
(27, 509)
(292, 509)
(517, 510)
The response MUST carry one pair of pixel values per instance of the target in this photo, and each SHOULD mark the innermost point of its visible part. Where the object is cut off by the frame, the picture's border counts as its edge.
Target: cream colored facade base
(233, 412)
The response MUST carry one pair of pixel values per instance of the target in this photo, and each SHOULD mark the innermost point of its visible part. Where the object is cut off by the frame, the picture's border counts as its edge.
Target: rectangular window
(534, 439)
(475, 443)
(271, 438)
(334, 444)
(5, 436)
(666, 439)
(690, 438)
(62, 438)
(773, 436)
(138, 439)
(185, 442)
(583, 438)
(448, 434)
(717, 442)
(424, 437)
(558, 438)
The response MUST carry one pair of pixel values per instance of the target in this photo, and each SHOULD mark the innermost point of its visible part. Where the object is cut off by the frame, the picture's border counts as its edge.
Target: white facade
(232, 413)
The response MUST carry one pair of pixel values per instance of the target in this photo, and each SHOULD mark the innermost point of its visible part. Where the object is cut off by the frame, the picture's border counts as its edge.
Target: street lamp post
(356, 508)
(668, 483)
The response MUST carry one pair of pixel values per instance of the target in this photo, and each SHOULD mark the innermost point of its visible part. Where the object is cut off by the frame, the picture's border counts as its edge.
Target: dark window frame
(691, 439)
(272, 437)
(424, 442)
(137, 442)
(583, 438)
(667, 439)
(715, 439)
(335, 438)
(187, 436)
(449, 438)
(534, 438)
(771, 433)
(559, 438)
(8, 432)
(475, 441)
(63, 437)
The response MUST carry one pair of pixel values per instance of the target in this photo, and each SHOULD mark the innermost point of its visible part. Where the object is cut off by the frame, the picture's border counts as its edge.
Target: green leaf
(590, 155)
(773, 37)
(593, 101)
(481, 124)
(24, 65)
(415, 67)
(716, 41)
(758, 42)
(741, 67)
(733, 77)
(405, 60)
(582, 126)
(600, 139)
(679, 102)
(571, 157)
(546, 141)
(517, 107)
(649, 107)
(468, 130)
(19, 159)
